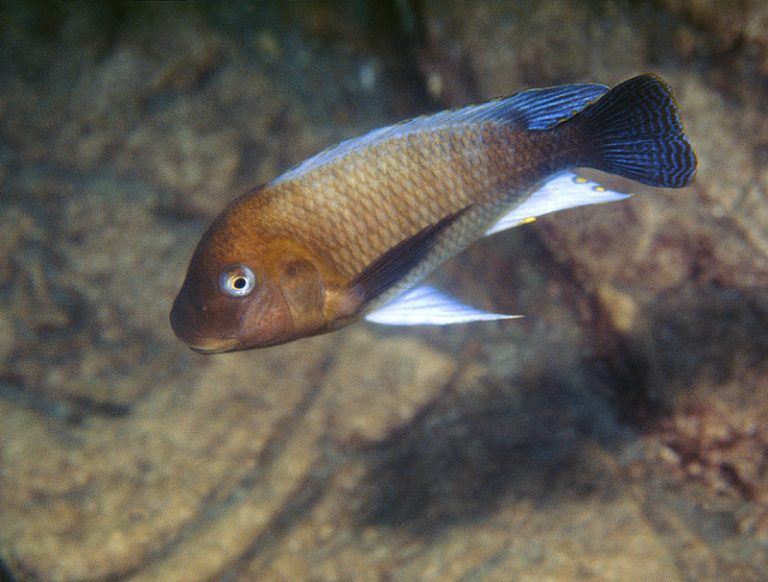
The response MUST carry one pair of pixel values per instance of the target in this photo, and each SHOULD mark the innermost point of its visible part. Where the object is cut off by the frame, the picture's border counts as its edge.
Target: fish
(350, 233)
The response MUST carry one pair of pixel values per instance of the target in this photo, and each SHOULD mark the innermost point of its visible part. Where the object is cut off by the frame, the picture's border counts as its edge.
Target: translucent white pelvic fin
(425, 305)
(565, 190)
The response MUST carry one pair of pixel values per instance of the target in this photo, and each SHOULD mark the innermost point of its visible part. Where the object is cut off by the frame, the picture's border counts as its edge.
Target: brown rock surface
(617, 432)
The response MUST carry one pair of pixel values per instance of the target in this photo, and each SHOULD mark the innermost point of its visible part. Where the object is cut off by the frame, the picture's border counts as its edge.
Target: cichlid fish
(350, 232)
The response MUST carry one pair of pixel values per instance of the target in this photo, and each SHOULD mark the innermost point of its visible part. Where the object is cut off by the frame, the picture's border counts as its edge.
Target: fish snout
(189, 323)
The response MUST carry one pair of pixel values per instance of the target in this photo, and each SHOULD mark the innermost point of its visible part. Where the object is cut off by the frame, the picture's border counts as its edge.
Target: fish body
(348, 233)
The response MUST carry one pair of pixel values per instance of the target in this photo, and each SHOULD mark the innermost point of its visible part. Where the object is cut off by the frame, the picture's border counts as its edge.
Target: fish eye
(237, 281)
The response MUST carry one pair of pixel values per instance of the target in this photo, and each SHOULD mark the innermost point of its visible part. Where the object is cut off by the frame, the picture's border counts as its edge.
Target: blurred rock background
(618, 432)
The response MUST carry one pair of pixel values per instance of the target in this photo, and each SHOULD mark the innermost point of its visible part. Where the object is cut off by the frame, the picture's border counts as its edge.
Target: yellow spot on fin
(566, 190)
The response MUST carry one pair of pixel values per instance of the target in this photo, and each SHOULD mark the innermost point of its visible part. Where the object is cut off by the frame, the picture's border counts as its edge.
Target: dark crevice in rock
(216, 504)
(5, 573)
(281, 435)
(620, 372)
(459, 462)
(296, 508)
(73, 411)
(720, 333)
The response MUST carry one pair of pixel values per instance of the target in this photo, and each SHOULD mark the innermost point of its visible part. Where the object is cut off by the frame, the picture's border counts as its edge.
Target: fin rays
(562, 191)
(637, 133)
(425, 305)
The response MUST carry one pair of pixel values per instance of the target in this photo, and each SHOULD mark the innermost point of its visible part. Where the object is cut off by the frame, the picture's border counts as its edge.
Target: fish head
(240, 295)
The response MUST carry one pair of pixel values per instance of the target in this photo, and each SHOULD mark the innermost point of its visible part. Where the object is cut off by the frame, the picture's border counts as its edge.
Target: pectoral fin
(425, 305)
(396, 263)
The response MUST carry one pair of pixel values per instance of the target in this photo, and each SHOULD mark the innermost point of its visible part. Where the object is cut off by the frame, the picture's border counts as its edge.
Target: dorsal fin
(534, 109)
(548, 107)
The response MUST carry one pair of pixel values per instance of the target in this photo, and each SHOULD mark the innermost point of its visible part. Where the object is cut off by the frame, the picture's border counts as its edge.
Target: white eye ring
(237, 281)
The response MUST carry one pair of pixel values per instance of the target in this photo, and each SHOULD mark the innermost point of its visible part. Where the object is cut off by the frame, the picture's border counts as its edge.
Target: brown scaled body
(346, 233)
(310, 236)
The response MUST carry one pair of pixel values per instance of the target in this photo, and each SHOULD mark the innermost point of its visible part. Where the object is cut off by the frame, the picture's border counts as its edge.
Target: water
(616, 433)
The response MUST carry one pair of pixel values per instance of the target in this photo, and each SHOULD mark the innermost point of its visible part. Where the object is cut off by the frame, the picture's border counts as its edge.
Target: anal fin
(561, 191)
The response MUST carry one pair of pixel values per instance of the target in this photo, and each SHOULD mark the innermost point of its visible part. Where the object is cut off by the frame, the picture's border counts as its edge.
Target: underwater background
(619, 432)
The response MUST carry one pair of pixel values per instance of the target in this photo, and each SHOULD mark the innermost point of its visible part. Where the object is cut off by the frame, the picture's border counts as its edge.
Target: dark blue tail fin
(634, 131)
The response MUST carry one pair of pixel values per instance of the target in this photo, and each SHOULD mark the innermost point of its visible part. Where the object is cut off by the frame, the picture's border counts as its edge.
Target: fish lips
(187, 321)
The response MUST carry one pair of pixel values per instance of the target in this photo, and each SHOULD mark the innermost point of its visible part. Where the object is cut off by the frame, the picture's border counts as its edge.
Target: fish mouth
(215, 345)
(186, 321)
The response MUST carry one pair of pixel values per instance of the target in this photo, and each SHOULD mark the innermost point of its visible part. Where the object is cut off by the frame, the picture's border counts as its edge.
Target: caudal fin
(634, 130)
